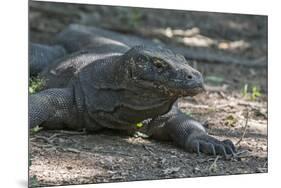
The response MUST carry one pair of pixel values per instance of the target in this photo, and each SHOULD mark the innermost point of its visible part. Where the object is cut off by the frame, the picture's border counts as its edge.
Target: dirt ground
(234, 105)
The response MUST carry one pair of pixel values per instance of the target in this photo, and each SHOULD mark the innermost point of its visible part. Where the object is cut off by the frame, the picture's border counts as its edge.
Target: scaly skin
(116, 89)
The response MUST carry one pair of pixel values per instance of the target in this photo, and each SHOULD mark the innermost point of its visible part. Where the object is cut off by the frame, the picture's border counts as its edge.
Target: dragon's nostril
(189, 77)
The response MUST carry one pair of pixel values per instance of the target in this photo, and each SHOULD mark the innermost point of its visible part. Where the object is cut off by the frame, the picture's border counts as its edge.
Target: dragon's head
(159, 69)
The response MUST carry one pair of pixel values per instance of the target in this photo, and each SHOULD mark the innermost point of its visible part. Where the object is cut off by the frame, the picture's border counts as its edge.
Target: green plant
(245, 90)
(35, 85)
(188, 113)
(230, 120)
(139, 125)
(36, 129)
(253, 95)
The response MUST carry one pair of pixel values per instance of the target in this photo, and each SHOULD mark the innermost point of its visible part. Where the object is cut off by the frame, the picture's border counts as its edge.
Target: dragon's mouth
(180, 92)
(191, 92)
(173, 91)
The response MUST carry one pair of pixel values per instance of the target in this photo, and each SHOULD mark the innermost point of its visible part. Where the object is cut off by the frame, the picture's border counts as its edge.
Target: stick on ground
(245, 128)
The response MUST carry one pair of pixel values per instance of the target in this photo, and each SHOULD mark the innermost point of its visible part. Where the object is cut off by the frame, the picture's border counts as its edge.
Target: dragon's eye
(159, 64)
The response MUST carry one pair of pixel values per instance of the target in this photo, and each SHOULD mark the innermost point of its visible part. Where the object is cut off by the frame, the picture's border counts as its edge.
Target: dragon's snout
(190, 82)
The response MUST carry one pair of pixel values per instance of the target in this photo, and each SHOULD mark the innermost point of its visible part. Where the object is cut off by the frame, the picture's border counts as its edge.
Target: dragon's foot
(203, 143)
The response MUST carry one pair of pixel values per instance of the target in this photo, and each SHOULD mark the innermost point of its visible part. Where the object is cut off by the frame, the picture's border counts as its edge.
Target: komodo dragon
(108, 80)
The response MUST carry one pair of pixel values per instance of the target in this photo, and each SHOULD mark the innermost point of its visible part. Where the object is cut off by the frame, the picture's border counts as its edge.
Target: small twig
(47, 139)
(265, 164)
(148, 149)
(113, 152)
(41, 145)
(239, 155)
(244, 156)
(43, 138)
(54, 135)
(214, 159)
(60, 133)
(213, 166)
(46, 147)
(221, 93)
(249, 104)
(241, 152)
(245, 128)
(71, 150)
(72, 132)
